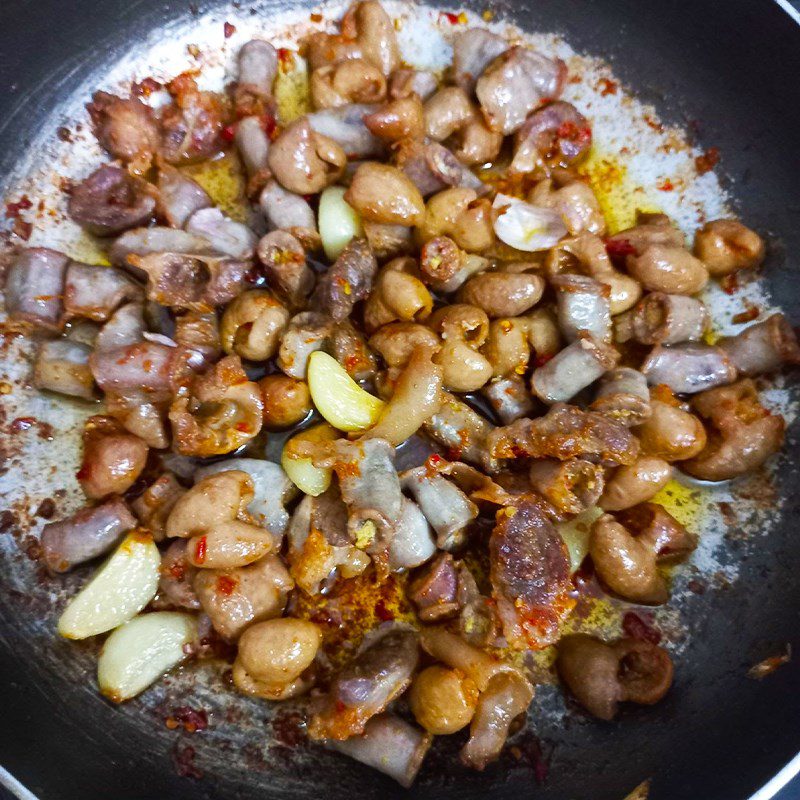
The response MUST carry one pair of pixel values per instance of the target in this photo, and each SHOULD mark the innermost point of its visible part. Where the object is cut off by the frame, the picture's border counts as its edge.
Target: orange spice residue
(353, 608)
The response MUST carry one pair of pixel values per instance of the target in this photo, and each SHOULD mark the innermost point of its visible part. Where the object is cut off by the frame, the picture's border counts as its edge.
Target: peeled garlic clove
(525, 227)
(141, 651)
(301, 471)
(338, 397)
(118, 591)
(338, 221)
(575, 534)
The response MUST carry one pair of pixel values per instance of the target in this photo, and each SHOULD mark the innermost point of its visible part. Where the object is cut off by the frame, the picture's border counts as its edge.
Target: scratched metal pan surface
(667, 81)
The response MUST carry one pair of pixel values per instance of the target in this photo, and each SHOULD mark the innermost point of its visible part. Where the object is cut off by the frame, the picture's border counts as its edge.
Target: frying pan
(731, 69)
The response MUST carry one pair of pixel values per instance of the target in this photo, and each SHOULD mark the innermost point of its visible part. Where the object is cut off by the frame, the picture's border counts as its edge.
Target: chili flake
(228, 30)
(707, 161)
(200, 550)
(226, 584)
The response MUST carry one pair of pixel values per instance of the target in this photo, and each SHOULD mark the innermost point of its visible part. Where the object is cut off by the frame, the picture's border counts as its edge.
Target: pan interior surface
(719, 734)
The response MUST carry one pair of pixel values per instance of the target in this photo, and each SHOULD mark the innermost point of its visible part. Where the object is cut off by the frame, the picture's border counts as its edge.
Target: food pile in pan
(379, 296)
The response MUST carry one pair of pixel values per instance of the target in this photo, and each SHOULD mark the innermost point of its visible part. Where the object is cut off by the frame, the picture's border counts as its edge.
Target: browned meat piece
(602, 675)
(219, 412)
(258, 65)
(530, 575)
(157, 239)
(557, 133)
(463, 432)
(347, 281)
(327, 49)
(473, 51)
(350, 349)
(571, 486)
(146, 366)
(284, 261)
(191, 126)
(372, 27)
(742, 434)
(96, 292)
(126, 128)
(35, 287)
(175, 584)
(85, 535)
(566, 432)
(305, 161)
(627, 551)
(110, 201)
(199, 334)
(688, 368)
(320, 548)
(179, 196)
(235, 598)
(434, 591)
(763, 347)
(431, 167)
(365, 687)
(506, 697)
(62, 366)
(112, 458)
(152, 507)
(346, 127)
(389, 744)
(193, 282)
(515, 83)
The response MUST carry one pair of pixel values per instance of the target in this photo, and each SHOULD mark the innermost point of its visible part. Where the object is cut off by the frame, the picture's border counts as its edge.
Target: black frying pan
(732, 69)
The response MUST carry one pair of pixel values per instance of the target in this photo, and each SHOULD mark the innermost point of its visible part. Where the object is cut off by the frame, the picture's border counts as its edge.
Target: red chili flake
(608, 86)
(541, 360)
(13, 209)
(750, 313)
(270, 125)
(22, 424)
(22, 229)
(448, 16)
(64, 134)
(769, 665)
(200, 550)
(665, 186)
(228, 30)
(146, 87)
(228, 133)
(192, 719)
(289, 728)
(7, 519)
(286, 59)
(242, 427)
(46, 508)
(619, 249)
(382, 613)
(730, 284)
(453, 453)
(177, 570)
(183, 761)
(656, 126)
(226, 584)
(707, 161)
(696, 587)
(570, 131)
(637, 627)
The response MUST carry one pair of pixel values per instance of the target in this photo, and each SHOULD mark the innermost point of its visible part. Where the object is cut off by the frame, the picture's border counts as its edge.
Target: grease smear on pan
(636, 163)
